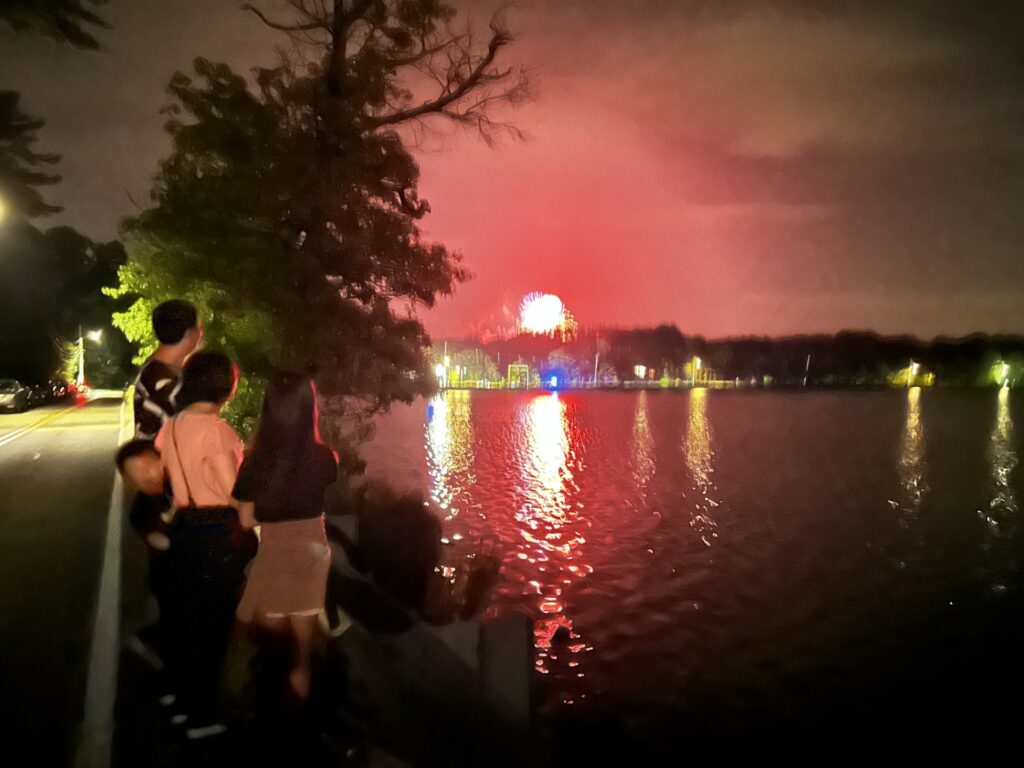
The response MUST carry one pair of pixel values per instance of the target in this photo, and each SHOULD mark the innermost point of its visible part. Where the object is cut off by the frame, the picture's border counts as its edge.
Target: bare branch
(425, 52)
(459, 81)
(307, 27)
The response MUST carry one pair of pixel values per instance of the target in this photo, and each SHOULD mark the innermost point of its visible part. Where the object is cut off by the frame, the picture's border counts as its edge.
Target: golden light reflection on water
(1002, 461)
(551, 527)
(449, 447)
(913, 486)
(700, 461)
(643, 445)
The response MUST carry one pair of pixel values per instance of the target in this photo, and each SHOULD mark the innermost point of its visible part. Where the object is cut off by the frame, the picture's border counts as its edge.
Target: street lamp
(913, 373)
(696, 370)
(3, 210)
(1005, 374)
(94, 336)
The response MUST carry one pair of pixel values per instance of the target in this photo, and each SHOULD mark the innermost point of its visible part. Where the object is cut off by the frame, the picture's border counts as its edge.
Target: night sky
(733, 167)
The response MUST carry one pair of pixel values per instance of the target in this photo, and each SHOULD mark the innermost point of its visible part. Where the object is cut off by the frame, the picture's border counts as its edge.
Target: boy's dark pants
(201, 577)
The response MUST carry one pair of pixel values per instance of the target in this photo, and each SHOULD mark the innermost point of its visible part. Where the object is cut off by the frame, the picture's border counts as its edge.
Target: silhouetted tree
(22, 169)
(289, 210)
(71, 21)
(50, 284)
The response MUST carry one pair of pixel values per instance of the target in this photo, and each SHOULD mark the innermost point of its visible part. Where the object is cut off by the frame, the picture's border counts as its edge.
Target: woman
(281, 487)
(209, 549)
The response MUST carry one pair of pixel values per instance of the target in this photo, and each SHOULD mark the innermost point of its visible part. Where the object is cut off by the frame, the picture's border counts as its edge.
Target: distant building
(518, 376)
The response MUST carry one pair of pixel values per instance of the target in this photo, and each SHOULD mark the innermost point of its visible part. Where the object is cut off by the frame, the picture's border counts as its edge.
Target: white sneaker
(204, 731)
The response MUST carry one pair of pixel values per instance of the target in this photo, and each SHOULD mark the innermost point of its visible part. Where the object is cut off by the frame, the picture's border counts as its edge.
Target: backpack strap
(181, 467)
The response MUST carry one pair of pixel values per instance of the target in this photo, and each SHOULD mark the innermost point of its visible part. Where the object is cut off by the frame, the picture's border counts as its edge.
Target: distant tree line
(50, 280)
(50, 287)
(847, 358)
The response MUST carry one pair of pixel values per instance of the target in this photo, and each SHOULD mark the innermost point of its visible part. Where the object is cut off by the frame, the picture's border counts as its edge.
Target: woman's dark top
(291, 490)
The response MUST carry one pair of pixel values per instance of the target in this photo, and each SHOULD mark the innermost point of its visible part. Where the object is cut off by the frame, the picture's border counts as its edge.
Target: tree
(21, 167)
(288, 209)
(50, 284)
(71, 21)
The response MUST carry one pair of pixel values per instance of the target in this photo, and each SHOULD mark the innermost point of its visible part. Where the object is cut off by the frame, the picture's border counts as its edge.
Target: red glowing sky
(733, 167)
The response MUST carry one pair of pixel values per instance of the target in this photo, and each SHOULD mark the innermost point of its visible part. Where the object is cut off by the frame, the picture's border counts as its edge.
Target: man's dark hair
(173, 319)
(209, 377)
(133, 448)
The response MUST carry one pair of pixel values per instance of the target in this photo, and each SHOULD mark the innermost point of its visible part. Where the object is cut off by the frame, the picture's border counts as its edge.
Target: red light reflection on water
(531, 459)
(550, 525)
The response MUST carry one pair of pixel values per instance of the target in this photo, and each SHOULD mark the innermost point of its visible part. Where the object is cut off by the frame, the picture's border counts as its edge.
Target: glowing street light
(914, 367)
(94, 336)
(696, 370)
(3, 210)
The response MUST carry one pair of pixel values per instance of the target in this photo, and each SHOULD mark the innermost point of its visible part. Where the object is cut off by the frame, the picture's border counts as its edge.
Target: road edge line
(96, 734)
(10, 437)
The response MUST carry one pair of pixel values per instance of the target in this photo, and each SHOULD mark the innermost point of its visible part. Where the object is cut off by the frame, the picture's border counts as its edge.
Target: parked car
(14, 396)
(58, 390)
(38, 394)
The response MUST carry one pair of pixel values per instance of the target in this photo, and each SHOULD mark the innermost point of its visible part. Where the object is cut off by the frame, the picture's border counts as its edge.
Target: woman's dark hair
(134, 448)
(209, 377)
(288, 420)
(173, 319)
(287, 435)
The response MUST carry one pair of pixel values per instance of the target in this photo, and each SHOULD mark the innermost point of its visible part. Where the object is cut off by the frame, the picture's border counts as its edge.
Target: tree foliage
(70, 21)
(50, 284)
(288, 208)
(848, 358)
(22, 168)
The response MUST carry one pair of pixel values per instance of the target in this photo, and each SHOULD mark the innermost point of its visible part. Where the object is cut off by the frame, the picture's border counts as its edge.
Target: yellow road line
(10, 437)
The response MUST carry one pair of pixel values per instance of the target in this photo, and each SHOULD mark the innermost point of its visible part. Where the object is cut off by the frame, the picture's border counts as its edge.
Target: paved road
(56, 475)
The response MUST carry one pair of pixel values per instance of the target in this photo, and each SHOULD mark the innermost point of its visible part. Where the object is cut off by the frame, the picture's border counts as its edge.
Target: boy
(177, 328)
(139, 464)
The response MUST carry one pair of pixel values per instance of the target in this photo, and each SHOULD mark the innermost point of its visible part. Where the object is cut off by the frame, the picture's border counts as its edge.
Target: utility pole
(596, 354)
(81, 356)
(807, 369)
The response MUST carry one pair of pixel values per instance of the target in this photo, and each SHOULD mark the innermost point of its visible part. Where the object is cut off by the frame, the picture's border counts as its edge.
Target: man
(177, 329)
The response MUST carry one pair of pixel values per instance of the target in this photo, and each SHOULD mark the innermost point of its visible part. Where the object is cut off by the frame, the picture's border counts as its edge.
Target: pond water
(712, 560)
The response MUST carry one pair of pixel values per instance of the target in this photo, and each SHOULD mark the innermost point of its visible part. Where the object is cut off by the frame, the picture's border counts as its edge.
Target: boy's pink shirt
(198, 437)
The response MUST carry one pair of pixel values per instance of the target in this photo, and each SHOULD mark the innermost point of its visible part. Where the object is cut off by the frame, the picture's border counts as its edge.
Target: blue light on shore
(553, 382)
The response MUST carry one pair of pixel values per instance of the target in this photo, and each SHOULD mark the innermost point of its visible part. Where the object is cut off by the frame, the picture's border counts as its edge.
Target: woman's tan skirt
(288, 576)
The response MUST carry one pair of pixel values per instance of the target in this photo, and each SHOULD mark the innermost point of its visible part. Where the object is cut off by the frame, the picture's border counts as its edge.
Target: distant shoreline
(789, 388)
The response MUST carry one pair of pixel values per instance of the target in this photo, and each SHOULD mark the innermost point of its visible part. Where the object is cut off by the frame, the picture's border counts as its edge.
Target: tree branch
(457, 87)
(308, 27)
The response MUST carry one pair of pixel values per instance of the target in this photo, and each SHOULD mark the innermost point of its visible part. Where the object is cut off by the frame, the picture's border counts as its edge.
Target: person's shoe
(205, 731)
